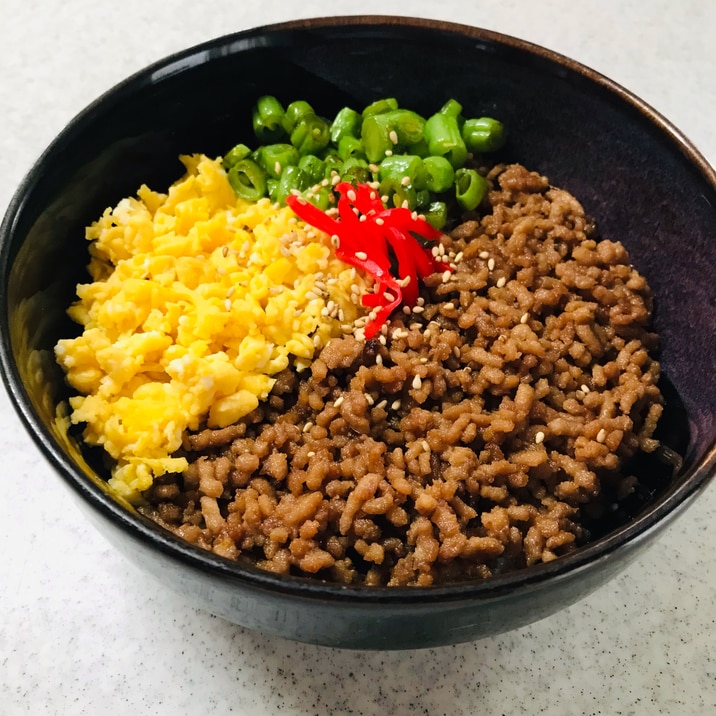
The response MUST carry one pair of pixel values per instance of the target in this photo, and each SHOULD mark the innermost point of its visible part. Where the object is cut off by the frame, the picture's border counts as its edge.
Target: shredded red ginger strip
(364, 230)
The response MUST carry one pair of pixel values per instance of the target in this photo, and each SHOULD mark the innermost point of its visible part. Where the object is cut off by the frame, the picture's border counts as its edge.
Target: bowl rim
(692, 483)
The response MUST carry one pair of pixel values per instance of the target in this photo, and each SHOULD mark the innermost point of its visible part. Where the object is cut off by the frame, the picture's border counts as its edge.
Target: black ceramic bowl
(630, 168)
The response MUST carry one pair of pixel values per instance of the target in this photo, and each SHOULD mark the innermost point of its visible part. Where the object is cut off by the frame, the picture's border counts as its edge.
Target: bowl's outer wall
(626, 171)
(411, 624)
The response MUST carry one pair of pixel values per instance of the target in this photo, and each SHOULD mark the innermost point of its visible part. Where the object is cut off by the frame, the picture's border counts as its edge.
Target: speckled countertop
(83, 632)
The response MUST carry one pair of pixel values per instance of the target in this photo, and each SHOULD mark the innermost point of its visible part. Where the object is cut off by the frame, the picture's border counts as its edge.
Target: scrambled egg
(197, 299)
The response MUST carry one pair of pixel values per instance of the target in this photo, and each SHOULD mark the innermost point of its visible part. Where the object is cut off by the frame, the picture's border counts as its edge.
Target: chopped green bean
(436, 214)
(470, 188)
(323, 198)
(444, 139)
(350, 147)
(423, 197)
(380, 106)
(346, 123)
(397, 193)
(292, 179)
(483, 135)
(420, 148)
(248, 180)
(355, 170)
(439, 174)
(314, 167)
(237, 153)
(267, 119)
(295, 112)
(311, 135)
(408, 126)
(451, 108)
(333, 163)
(375, 133)
(274, 158)
(401, 166)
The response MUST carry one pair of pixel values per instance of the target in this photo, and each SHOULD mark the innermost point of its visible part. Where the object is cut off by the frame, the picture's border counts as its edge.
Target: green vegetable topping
(422, 165)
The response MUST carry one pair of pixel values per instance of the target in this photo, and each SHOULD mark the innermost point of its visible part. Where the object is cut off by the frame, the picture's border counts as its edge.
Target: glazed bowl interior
(645, 184)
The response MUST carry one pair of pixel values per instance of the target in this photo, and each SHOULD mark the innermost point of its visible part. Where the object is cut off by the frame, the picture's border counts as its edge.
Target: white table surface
(82, 631)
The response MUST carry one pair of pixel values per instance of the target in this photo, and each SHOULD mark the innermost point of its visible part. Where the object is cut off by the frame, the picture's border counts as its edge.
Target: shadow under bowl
(645, 183)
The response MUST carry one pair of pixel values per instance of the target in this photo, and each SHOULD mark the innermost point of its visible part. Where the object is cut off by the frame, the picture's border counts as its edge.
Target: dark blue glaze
(646, 184)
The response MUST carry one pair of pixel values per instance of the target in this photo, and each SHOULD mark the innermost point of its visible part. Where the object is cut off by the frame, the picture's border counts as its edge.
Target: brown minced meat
(469, 440)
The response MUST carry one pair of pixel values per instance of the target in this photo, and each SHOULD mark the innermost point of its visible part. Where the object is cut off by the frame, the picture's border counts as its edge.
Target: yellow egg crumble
(197, 298)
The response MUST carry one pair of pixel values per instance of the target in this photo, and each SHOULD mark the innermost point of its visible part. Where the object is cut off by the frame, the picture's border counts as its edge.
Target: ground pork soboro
(468, 438)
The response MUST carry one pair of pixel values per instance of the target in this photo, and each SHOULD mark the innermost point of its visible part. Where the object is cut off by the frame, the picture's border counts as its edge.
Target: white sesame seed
(395, 405)
(227, 304)
(361, 255)
(336, 241)
(351, 194)
(601, 435)
(382, 340)
(420, 301)
(405, 181)
(416, 326)
(458, 257)
(338, 401)
(310, 296)
(491, 264)
(393, 136)
(585, 388)
(375, 169)
(424, 359)
(449, 306)
(418, 309)
(369, 398)
(277, 167)
(382, 404)
(335, 179)
(379, 221)
(417, 382)
(525, 317)
(484, 254)
(379, 359)
(230, 292)
(425, 445)
(406, 310)
(388, 152)
(307, 427)
(539, 437)
(501, 282)
(388, 296)
(224, 251)
(456, 351)
(310, 453)
(384, 329)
